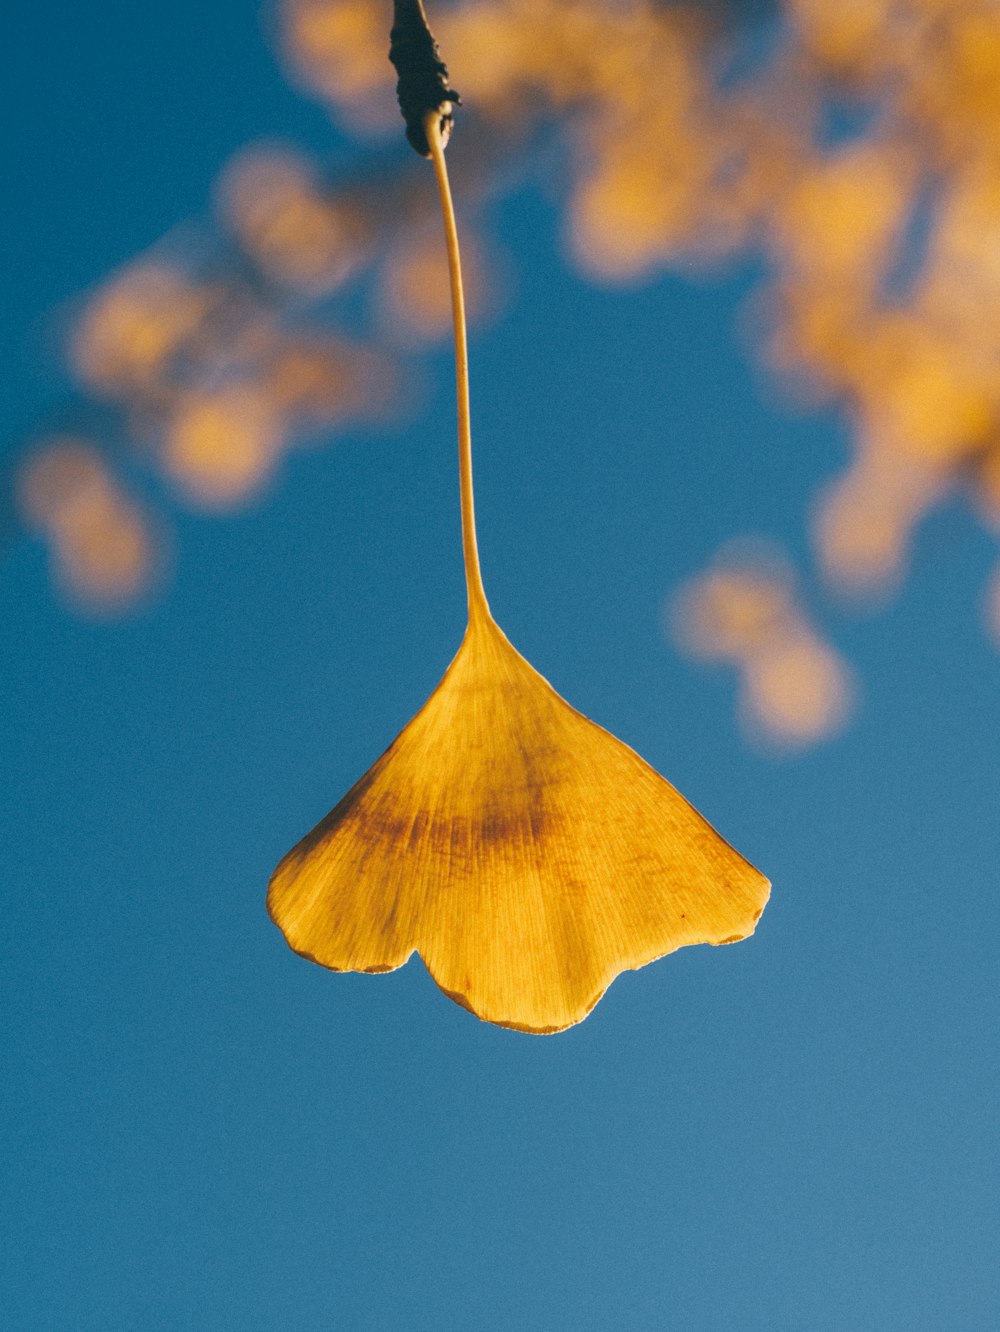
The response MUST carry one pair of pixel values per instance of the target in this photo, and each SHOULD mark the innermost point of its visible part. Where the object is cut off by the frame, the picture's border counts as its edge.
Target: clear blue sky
(203, 1131)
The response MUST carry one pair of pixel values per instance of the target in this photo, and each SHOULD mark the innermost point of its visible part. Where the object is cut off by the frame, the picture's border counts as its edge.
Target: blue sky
(205, 1131)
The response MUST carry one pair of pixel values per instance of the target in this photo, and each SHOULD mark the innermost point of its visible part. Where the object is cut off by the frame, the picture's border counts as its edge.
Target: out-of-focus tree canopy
(852, 150)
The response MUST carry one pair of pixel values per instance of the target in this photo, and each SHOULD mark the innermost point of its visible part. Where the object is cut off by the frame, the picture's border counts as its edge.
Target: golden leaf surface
(527, 855)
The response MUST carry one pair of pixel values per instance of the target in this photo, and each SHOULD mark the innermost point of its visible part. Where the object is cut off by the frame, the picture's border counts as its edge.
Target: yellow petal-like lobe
(525, 853)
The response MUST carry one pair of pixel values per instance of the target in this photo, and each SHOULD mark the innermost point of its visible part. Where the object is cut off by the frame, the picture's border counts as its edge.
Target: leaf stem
(478, 606)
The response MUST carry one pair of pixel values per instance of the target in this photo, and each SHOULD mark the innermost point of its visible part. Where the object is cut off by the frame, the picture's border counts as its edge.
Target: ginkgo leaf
(526, 854)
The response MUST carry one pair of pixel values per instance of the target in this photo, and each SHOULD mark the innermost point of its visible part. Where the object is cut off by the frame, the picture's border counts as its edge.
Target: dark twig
(422, 84)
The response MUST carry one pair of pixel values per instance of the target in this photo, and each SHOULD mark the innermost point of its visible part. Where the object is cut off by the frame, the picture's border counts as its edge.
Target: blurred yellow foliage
(864, 520)
(338, 50)
(857, 151)
(795, 691)
(220, 447)
(271, 202)
(101, 543)
(794, 688)
(210, 382)
(318, 381)
(667, 164)
(133, 325)
(729, 613)
(414, 300)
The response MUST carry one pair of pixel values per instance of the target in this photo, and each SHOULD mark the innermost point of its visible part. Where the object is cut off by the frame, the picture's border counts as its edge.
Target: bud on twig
(422, 85)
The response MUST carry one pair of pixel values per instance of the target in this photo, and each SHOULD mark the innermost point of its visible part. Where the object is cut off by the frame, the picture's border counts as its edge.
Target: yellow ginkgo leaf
(526, 854)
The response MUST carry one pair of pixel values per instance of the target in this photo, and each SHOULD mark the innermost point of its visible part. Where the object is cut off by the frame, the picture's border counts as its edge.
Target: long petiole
(478, 606)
